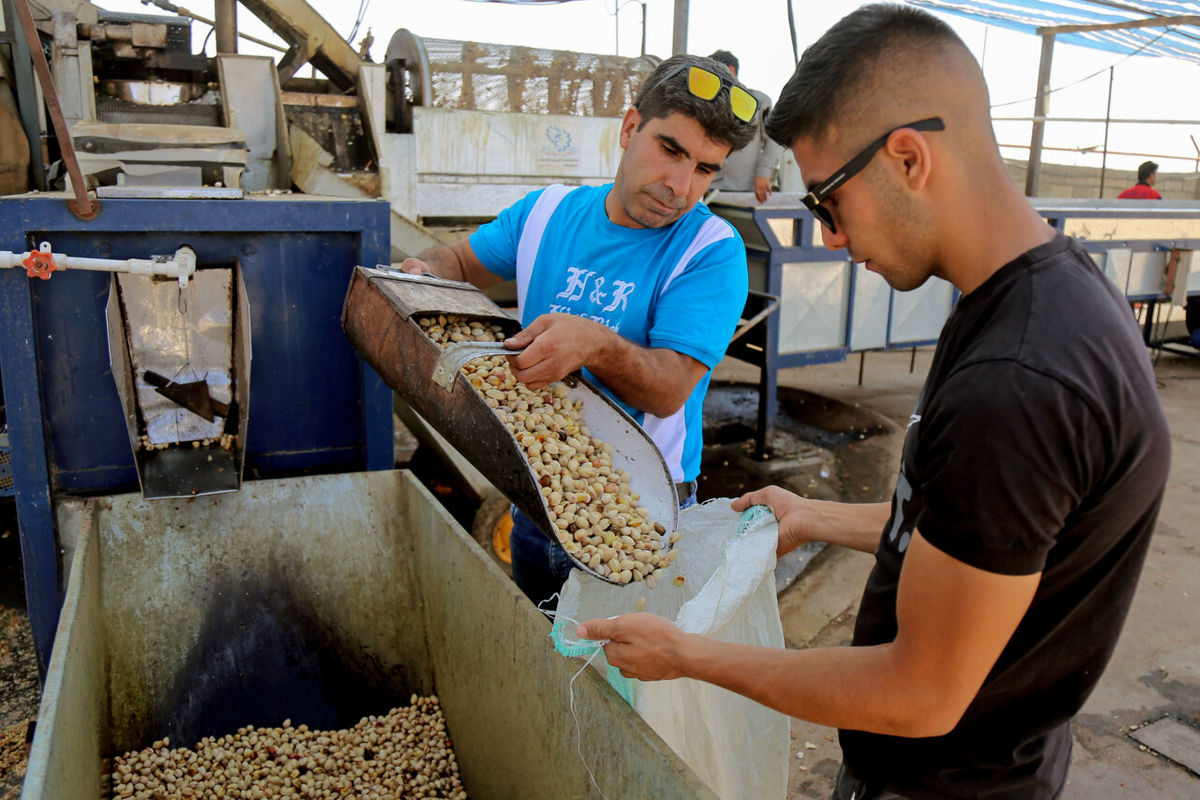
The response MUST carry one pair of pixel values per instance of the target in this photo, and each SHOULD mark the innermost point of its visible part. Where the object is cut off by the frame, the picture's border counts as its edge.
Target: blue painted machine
(313, 405)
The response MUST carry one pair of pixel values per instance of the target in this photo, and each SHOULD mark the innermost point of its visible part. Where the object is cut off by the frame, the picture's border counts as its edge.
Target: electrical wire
(362, 12)
(1087, 77)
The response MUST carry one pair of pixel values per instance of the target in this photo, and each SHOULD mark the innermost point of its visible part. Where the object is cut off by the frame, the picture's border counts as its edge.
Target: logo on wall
(558, 152)
(560, 140)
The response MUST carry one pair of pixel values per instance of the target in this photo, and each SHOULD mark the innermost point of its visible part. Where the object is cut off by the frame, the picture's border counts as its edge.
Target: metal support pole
(225, 12)
(679, 30)
(1107, 118)
(31, 474)
(1034, 168)
(643, 29)
(616, 27)
(792, 30)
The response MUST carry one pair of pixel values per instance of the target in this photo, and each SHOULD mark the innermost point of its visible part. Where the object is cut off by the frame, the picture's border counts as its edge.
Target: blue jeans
(540, 567)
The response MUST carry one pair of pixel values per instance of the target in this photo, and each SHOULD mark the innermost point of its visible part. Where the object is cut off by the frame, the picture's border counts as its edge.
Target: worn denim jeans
(540, 567)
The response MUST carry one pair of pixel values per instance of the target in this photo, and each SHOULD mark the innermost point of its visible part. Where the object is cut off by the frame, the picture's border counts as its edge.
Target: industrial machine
(448, 132)
(283, 570)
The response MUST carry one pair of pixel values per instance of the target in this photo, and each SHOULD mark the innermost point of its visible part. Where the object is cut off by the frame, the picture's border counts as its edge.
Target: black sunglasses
(820, 193)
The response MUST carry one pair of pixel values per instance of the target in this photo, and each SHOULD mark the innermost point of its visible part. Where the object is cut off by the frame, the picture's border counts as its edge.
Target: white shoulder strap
(713, 230)
(670, 433)
(531, 236)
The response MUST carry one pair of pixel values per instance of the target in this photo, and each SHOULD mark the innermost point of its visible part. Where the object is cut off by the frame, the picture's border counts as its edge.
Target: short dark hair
(727, 58)
(1147, 169)
(657, 100)
(843, 58)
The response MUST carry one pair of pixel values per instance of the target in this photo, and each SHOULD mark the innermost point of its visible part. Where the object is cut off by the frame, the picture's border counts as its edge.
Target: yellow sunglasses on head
(705, 84)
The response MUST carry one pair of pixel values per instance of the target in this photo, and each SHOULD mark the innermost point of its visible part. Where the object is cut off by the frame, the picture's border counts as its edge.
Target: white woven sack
(739, 747)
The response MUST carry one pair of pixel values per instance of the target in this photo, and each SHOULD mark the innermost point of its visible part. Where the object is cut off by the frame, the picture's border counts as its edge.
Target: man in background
(751, 168)
(1144, 188)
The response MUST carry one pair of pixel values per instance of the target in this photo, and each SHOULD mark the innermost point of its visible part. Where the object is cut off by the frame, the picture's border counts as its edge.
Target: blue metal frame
(314, 404)
(777, 255)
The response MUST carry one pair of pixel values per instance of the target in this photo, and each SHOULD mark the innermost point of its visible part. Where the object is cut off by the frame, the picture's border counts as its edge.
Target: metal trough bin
(319, 599)
(380, 319)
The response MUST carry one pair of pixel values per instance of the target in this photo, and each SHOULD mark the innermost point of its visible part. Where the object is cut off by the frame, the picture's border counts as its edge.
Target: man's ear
(633, 118)
(911, 153)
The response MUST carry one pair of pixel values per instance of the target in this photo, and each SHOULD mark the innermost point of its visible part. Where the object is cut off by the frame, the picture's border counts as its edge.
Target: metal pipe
(679, 28)
(1034, 168)
(643, 29)
(225, 12)
(42, 262)
(1003, 145)
(1119, 121)
(1107, 115)
(82, 206)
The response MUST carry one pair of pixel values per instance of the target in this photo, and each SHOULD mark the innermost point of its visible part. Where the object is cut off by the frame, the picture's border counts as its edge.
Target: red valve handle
(39, 265)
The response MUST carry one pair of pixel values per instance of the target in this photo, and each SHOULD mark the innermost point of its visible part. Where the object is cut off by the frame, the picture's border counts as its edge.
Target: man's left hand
(555, 346)
(643, 646)
(762, 188)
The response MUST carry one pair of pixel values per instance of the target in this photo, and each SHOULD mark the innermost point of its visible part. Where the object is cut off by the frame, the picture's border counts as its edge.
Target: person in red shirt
(1144, 188)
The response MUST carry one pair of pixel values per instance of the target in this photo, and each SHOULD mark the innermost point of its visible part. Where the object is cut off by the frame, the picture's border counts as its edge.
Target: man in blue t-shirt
(635, 282)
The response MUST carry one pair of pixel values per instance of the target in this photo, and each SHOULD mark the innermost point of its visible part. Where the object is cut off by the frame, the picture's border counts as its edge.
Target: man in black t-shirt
(1033, 465)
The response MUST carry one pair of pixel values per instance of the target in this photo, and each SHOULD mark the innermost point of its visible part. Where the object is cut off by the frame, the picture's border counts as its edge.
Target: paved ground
(1155, 673)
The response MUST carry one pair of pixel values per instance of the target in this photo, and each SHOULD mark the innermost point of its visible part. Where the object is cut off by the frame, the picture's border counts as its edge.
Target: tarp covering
(1027, 16)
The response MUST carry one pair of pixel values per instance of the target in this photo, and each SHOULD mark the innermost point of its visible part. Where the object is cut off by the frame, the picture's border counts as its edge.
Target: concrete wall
(1059, 180)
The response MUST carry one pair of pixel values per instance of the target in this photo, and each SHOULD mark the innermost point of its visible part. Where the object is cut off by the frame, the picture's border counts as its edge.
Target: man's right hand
(415, 266)
(455, 262)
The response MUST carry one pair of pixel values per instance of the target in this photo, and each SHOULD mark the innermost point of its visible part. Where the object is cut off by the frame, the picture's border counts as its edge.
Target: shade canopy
(1177, 37)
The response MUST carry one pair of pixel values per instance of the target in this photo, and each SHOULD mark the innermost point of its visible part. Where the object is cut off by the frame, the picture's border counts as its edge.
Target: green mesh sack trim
(623, 685)
(571, 647)
(753, 517)
(568, 645)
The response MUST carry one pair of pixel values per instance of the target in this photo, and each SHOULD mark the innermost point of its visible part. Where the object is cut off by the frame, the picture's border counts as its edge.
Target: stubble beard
(647, 214)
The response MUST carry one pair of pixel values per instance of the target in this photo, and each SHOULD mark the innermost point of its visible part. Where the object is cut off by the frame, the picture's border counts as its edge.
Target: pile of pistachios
(403, 754)
(592, 506)
(225, 440)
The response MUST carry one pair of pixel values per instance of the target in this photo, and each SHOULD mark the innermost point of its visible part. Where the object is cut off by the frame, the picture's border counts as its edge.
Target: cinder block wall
(1059, 180)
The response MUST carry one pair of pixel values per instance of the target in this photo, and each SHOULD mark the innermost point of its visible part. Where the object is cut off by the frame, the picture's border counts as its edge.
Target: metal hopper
(380, 318)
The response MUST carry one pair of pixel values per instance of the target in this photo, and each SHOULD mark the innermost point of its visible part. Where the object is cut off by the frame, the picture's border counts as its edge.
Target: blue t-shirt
(681, 287)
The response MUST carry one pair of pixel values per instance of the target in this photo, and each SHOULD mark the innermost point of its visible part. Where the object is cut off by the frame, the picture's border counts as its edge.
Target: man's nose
(678, 179)
(834, 241)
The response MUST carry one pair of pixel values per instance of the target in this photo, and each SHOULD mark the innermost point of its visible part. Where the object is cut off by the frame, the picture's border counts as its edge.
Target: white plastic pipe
(182, 265)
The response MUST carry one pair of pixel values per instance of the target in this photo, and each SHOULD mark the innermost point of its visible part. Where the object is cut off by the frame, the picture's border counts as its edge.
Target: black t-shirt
(1038, 444)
